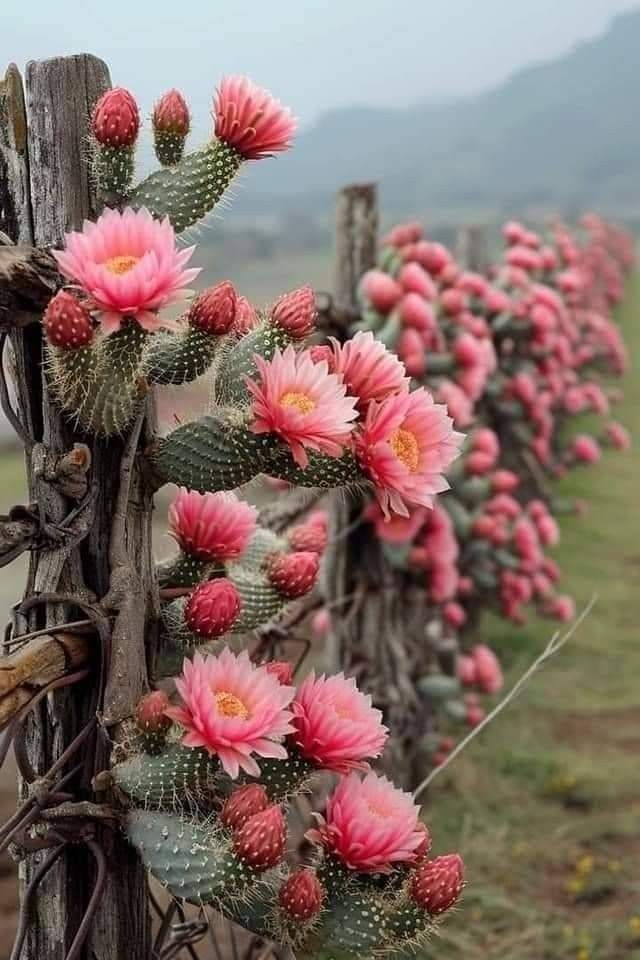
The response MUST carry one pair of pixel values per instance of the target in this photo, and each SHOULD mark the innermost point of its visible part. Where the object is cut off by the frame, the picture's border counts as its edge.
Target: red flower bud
(242, 804)
(261, 842)
(301, 895)
(116, 120)
(214, 310)
(171, 114)
(437, 884)
(67, 322)
(212, 608)
(293, 574)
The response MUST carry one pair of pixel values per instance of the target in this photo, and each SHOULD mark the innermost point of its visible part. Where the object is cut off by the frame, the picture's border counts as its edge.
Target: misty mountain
(559, 133)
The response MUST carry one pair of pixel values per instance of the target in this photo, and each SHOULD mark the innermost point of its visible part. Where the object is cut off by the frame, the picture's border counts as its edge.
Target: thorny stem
(555, 644)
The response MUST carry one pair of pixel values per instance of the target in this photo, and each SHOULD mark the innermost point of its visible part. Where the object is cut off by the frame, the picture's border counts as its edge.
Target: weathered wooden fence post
(472, 248)
(381, 618)
(95, 553)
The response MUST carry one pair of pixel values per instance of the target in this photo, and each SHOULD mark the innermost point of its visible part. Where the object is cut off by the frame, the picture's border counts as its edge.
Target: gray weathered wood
(60, 94)
(15, 207)
(378, 614)
(472, 249)
(356, 240)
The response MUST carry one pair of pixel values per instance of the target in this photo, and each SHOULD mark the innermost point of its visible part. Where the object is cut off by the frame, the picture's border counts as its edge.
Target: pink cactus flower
(370, 825)
(336, 728)
(416, 313)
(453, 301)
(548, 530)
(478, 463)
(250, 120)
(396, 530)
(488, 672)
(585, 448)
(380, 290)
(618, 436)
(321, 622)
(301, 403)
(561, 608)
(233, 709)
(466, 670)
(406, 444)
(129, 266)
(214, 527)
(414, 279)
(368, 370)
(504, 481)
(454, 614)
(457, 402)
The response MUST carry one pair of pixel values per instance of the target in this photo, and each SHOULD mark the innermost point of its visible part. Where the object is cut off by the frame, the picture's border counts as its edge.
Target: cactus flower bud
(437, 884)
(262, 840)
(295, 313)
(150, 713)
(115, 121)
(67, 322)
(171, 124)
(282, 670)
(171, 114)
(246, 317)
(301, 895)
(243, 803)
(293, 574)
(214, 310)
(212, 608)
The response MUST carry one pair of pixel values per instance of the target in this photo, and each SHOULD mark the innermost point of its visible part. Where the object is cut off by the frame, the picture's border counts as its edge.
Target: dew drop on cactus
(244, 802)
(437, 884)
(301, 895)
(262, 840)
(67, 322)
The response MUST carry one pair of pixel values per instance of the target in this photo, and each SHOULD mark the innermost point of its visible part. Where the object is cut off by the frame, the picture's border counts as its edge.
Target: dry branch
(34, 665)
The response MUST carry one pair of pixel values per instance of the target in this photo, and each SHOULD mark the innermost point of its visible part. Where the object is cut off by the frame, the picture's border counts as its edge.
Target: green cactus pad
(286, 778)
(355, 923)
(408, 922)
(175, 358)
(323, 471)
(209, 455)
(260, 546)
(193, 860)
(169, 147)
(113, 172)
(172, 779)
(187, 191)
(183, 570)
(101, 385)
(259, 601)
(238, 362)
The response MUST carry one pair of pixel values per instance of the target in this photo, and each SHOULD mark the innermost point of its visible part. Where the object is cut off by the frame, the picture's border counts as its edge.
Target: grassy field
(545, 805)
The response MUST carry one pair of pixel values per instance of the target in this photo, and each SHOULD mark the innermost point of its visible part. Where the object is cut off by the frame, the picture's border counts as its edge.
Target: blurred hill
(559, 134)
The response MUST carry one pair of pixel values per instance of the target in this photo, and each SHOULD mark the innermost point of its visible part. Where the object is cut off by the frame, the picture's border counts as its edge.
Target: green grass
(556, 777)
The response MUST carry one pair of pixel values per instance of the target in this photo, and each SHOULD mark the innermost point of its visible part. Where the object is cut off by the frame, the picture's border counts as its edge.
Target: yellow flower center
(120, 265)
(300, 401)
(230, 706)
(405, 446)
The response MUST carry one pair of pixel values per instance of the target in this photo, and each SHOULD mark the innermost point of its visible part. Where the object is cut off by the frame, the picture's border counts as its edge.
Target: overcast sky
(314, 54)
